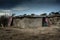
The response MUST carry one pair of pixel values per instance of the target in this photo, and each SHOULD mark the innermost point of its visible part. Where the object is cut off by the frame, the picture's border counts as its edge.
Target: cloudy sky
(30, 6)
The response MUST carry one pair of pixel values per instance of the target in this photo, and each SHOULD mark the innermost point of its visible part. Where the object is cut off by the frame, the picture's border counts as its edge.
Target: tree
(57, 13)
(32, 14)
(24, 15)
(52, 13)
(13, 15)
(44, 14)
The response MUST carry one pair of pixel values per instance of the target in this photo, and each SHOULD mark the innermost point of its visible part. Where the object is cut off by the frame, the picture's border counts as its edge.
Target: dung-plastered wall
(28, 22)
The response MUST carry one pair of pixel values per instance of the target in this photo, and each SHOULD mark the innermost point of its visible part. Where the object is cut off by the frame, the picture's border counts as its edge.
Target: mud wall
(28, 22)
(55, 21)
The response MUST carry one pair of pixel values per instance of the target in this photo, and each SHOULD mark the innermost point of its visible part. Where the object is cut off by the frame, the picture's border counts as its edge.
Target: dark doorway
(44, 23)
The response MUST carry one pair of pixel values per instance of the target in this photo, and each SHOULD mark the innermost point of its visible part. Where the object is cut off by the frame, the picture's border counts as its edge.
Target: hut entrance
(44, 22)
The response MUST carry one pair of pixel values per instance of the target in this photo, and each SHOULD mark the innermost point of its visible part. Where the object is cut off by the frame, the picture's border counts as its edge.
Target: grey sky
(30, 6)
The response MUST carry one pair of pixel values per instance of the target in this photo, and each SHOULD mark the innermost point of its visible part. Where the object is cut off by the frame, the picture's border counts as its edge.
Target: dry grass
(45, 33)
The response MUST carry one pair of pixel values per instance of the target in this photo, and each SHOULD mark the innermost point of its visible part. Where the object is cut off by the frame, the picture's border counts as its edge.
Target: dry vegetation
(42, 33)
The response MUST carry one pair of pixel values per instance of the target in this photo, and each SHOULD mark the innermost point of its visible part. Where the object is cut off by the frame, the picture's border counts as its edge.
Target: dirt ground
(42, 33)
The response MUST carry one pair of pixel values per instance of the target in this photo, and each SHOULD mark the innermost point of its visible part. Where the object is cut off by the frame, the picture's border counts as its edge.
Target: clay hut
(30, 21)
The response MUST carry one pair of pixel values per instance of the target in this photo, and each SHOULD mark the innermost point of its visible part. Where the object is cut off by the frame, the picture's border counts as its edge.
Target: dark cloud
(58, 1)
(8, 4)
